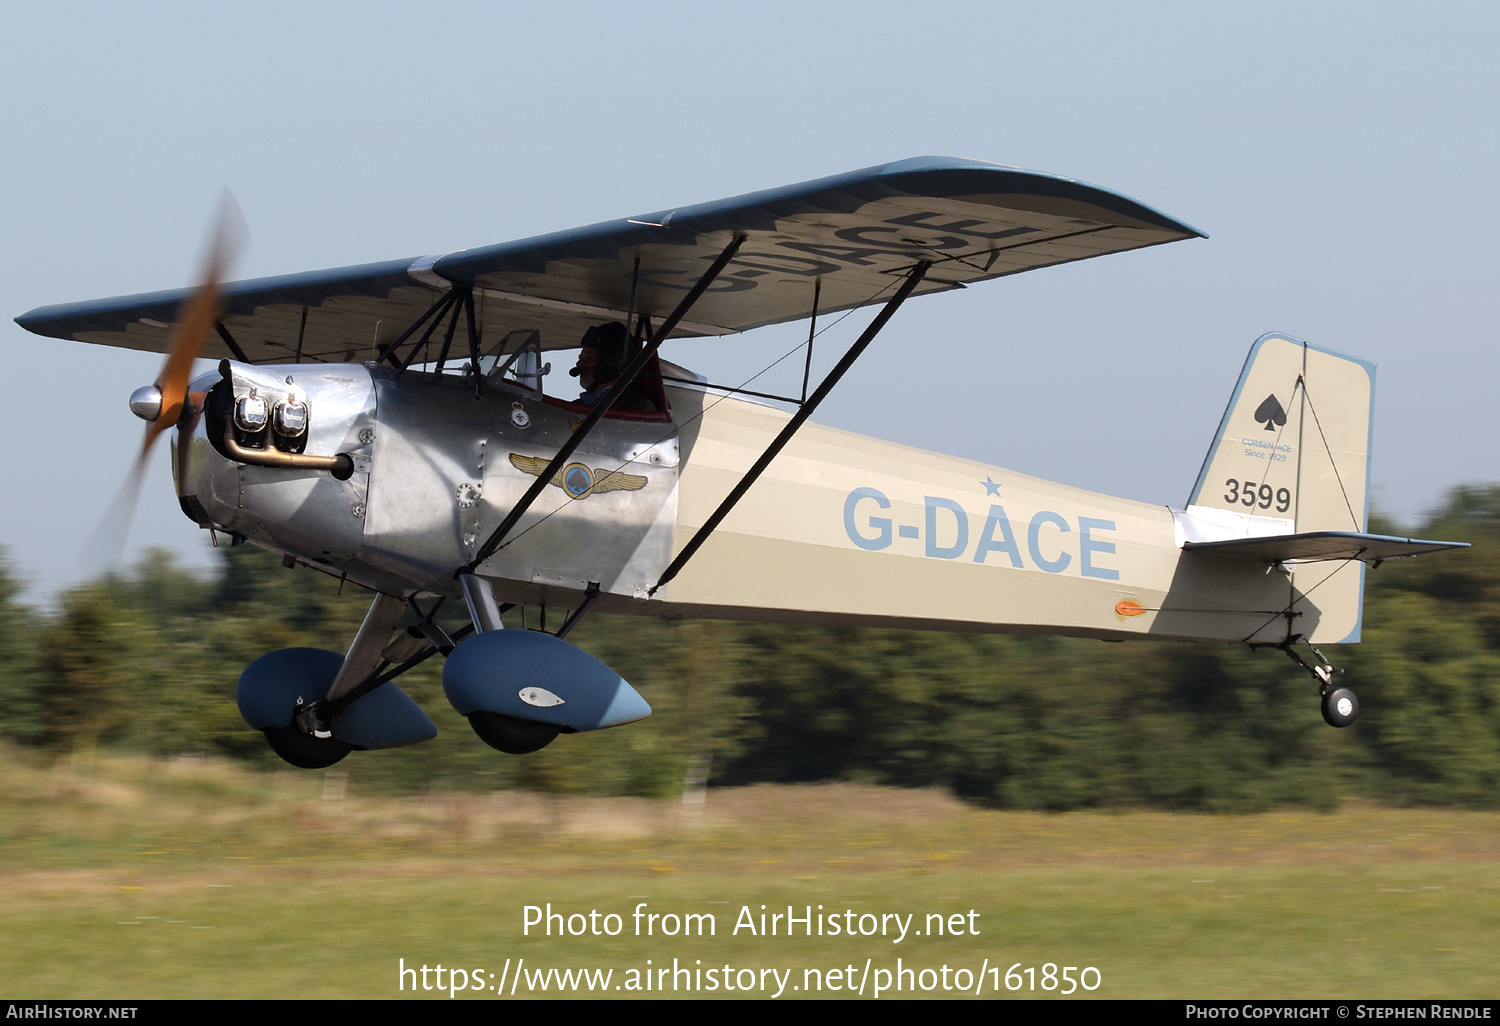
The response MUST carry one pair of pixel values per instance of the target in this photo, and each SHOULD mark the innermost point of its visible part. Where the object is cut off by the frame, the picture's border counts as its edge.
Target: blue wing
(852, 234)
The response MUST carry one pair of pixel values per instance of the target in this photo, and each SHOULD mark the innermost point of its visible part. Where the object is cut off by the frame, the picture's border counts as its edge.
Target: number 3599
(1247, 494)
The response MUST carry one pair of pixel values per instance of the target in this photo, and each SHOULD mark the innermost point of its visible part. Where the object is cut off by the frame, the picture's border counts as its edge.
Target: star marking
(990, 487)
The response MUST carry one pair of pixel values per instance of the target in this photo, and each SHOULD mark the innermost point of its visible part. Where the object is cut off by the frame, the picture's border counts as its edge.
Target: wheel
(303, 750)
(510, 734)
(1340, 707)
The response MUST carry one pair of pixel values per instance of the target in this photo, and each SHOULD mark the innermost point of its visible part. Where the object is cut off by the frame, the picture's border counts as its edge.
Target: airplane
(389, 424)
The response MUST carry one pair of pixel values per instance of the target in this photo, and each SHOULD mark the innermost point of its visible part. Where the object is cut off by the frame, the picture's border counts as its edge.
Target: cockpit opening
(604, 352)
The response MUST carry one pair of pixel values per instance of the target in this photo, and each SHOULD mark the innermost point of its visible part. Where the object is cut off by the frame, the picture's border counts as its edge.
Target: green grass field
(126, 878)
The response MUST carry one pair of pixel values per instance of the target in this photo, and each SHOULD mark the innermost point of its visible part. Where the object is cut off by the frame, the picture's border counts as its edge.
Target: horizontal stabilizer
(1323, 545)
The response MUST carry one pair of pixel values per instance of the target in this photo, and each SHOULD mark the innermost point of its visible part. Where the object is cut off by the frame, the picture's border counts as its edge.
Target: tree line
(146, 661)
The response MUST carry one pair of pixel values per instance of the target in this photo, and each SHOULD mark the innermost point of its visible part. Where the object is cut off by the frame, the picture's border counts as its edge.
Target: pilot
(601, 358)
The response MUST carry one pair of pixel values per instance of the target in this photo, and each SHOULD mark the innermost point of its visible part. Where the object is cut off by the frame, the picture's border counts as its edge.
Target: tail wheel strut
(1340, 705)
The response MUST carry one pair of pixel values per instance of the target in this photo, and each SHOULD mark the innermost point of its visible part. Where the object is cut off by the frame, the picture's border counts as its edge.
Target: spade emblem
(1271, 413)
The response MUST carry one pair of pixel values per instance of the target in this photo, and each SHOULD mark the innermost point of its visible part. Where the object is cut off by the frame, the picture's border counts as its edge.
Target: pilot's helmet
(610, 340)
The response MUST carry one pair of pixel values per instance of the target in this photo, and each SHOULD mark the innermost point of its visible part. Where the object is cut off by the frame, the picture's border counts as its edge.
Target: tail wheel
(510, 734)
(303, 750)
(1340, 707)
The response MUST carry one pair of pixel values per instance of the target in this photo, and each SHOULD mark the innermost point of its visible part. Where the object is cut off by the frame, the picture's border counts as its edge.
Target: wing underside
(827, 245)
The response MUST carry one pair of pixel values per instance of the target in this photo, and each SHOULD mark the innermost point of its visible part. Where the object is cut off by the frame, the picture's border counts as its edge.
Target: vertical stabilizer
(1292, 456)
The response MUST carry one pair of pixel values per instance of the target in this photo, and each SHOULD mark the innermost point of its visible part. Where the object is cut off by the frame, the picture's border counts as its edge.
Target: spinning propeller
(165, 404)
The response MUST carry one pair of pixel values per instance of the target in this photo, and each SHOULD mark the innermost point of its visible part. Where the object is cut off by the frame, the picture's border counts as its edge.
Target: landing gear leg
(1340, 706)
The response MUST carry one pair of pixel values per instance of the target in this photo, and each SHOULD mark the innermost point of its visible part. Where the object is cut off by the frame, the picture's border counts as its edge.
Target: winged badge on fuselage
(578, 480)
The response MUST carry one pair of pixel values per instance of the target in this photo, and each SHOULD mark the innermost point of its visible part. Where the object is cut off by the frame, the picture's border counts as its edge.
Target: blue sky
(1341, 158)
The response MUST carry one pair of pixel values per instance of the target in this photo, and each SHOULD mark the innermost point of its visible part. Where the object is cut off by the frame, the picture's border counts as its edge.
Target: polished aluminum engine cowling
(431, 470)
(308, 512)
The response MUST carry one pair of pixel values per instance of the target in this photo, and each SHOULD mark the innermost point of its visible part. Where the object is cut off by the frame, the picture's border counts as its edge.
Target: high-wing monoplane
(390, 424)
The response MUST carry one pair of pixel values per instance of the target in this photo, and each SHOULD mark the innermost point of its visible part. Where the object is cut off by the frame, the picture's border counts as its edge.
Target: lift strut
(913, 279)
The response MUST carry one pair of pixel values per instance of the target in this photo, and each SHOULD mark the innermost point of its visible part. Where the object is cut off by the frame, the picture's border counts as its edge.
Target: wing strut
(913, 279)
(449, 304)
(812, 333)
(473, 344)
(388, 351)
(627, 377)
(234, 347)
(448, 337)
